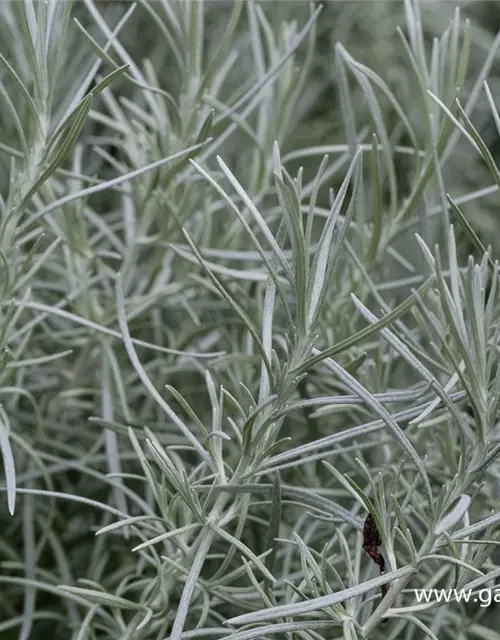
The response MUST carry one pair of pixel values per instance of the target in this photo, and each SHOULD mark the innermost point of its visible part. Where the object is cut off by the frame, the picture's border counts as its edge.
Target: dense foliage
(250, 319)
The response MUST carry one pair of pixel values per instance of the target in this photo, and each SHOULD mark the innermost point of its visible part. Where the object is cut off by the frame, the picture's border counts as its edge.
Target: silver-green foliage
(227, 335)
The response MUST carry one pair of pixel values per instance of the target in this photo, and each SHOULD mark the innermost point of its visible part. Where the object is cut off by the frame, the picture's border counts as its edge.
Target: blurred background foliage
(367, 29)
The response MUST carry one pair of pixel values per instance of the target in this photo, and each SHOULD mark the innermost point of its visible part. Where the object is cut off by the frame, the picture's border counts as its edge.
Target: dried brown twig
(371, 543)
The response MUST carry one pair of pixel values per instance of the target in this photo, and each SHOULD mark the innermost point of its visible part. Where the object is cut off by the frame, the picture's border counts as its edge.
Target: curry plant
(250, 377)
